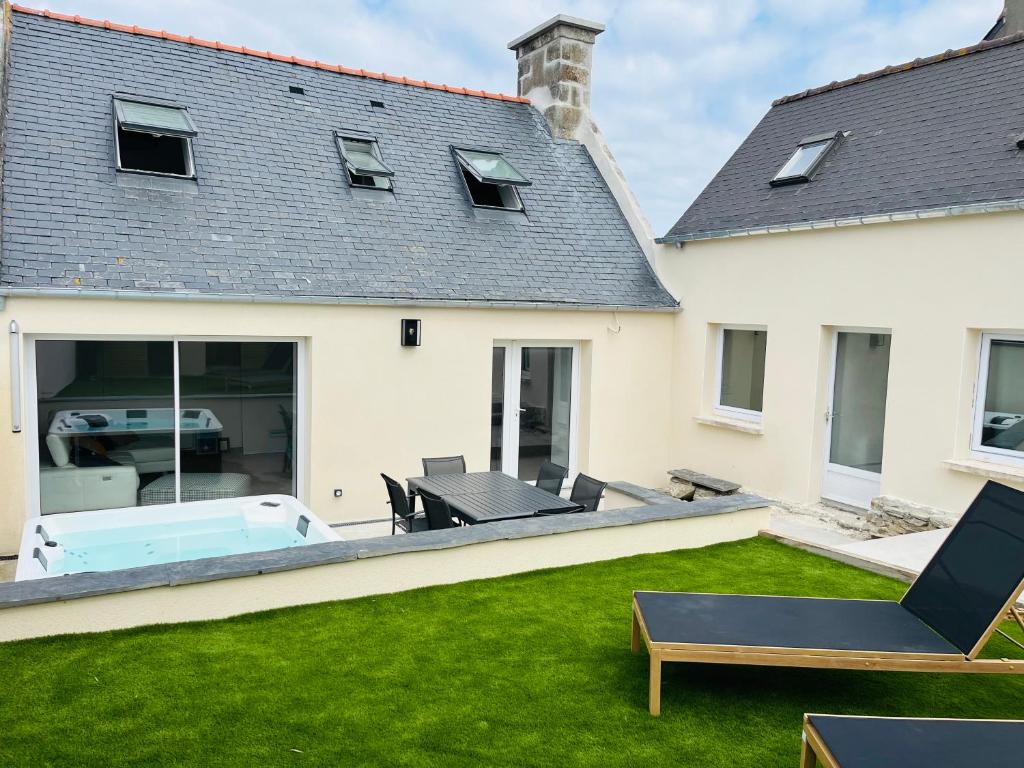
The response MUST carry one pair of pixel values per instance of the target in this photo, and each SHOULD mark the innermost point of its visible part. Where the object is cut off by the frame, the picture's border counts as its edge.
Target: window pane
(491, 195)
(156, 117)
(858, 400)
(545, 393)
(361, 158)
(492, 167)
(803, 159)
(743, 355)
(237, 418)
(497, 406)
(155, 154)
(1003, 420)
(106, 422)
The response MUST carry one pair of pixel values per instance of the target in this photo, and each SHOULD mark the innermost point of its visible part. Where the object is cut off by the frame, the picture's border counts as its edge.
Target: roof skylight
(490, 179)
(809, 155)
(491, 168)
(156, 119)
(364, 163)
(153, 138)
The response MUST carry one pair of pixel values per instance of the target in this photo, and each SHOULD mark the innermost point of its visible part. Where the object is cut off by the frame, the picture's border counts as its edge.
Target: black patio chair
(444, 465)
(550, 477)
(401, 514)
(560, 511)
(587, 491)
(439, 514)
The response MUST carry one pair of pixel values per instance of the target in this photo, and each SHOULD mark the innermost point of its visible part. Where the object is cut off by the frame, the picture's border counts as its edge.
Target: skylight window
(153, 138)
(809, 155)
(364, 163)
(491, 180)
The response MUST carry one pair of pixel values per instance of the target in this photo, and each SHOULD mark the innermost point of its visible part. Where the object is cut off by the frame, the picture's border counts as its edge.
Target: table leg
(654, 683)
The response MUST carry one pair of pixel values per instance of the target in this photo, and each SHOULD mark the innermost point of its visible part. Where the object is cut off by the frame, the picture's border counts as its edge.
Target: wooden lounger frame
(822, 658)
(814, 750)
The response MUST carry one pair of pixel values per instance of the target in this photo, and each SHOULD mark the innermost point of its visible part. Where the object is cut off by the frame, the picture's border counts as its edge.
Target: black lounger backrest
(975, 572)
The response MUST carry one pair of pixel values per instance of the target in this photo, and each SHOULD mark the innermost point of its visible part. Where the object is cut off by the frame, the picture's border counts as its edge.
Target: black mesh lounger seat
(940, 625)
(881, 742)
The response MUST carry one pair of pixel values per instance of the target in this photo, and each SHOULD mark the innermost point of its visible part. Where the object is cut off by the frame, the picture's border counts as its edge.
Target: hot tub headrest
(60, 450)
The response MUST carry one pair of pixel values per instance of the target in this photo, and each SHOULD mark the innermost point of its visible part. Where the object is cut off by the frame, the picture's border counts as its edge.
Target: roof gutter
(231, 298)
(1001, 206)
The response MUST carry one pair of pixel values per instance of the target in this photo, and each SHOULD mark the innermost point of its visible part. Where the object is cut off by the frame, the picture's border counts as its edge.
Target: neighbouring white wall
(375, 406)
(937, 284)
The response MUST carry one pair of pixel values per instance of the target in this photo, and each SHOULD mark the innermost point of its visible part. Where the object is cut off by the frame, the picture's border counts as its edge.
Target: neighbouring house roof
(934, 134)
(271, 213)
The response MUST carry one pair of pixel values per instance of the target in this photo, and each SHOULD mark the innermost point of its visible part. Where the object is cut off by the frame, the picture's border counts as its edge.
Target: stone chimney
(1011, 22)
(554, 70)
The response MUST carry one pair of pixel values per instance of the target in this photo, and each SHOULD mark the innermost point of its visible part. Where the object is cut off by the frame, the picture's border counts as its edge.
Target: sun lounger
(881, 742)
(941, 624)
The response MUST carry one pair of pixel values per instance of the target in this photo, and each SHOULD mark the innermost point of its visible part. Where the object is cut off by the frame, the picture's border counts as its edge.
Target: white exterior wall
(374, 406)
(937, 284)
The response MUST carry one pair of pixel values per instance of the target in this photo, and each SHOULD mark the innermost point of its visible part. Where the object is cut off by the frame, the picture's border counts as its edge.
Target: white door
(856, 417)
(534, 392)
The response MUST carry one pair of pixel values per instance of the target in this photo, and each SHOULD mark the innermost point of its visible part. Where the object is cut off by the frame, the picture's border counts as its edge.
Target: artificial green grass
(528, 670)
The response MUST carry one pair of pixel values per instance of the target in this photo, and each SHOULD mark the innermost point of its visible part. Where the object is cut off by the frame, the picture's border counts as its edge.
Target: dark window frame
(830, 139)
(121, 123)
(352, 170)
(464, 168)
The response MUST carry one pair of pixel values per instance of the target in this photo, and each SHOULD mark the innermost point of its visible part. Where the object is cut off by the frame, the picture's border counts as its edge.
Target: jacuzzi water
(110, 540)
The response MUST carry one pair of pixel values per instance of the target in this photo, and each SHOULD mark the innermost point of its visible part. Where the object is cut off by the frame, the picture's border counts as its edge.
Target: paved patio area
(911, 551)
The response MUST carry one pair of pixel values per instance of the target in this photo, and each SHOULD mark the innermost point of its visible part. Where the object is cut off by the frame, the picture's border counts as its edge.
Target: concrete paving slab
(911, 551)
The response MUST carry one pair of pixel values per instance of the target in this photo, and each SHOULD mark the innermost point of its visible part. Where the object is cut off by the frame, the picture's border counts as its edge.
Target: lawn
(528, 670)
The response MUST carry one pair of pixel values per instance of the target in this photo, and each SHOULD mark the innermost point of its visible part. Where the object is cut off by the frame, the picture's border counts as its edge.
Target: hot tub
(112, 539)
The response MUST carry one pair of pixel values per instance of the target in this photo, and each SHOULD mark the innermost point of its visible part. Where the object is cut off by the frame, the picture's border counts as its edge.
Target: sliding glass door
(534, 399)
(127, 423)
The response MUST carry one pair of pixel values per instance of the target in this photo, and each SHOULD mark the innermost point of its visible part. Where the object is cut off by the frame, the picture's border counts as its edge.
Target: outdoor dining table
(487, 497)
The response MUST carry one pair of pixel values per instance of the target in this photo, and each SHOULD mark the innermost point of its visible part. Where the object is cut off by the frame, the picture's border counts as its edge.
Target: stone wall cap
(561, 18)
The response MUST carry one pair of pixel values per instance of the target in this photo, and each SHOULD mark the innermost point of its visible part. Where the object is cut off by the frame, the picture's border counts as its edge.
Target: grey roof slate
(938, 133)
(271, 213)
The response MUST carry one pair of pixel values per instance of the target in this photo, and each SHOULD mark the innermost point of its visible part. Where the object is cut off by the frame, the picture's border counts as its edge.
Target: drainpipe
(15, 341)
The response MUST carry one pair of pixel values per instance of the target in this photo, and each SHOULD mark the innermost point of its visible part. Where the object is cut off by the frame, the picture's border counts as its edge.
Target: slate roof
(931, 134)
(271, 213)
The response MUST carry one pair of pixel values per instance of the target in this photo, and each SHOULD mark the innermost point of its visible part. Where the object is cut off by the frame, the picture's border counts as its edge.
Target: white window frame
(31, 405)
(979, 451)
(510, 410)
(729, 411)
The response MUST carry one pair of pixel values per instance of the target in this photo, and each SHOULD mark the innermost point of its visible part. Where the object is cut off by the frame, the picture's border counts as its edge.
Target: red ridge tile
(340, 69)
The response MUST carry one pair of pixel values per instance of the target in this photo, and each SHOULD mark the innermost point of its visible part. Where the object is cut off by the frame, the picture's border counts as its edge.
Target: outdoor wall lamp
(411, 333)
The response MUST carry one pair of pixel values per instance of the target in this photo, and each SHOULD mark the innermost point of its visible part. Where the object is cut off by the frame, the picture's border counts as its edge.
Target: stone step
(640, 493)
(705, 481)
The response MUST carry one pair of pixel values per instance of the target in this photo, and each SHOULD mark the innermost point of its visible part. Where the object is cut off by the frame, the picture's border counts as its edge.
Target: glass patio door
(856, 418)
(125, 423)
(533, 402)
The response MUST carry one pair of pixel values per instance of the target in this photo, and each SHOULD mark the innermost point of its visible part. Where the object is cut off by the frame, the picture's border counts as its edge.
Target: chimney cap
(559, 19)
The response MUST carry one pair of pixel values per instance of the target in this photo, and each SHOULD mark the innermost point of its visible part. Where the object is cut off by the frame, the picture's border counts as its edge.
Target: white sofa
(65, 487)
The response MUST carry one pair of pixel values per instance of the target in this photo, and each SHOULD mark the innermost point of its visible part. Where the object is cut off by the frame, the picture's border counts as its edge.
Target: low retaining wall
(220, 587)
